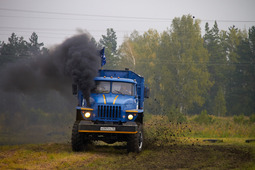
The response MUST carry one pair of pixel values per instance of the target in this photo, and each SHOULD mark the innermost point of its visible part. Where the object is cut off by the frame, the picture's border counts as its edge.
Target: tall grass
(160, 131)
(222, 127)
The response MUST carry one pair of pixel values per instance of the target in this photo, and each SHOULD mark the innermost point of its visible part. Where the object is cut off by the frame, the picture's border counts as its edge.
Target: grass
(167, 146)
(44, 156)
(36, 135)
(222, 127)
(60, 156)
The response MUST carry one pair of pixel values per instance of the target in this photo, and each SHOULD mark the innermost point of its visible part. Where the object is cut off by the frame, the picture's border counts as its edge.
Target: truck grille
(109, 112)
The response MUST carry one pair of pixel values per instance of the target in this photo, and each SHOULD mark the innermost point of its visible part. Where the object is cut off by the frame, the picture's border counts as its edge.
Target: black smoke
(36, 101)
(76, 60)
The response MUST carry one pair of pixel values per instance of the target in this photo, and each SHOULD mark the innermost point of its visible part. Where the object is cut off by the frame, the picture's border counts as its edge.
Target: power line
(44, 29)
(30, 32)
(78, 14)
(51, 36)
(79, 19)
(7, 28)
(112, 16)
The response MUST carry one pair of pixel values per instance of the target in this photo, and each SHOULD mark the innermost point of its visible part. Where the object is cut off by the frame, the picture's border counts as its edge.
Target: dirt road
(60, 156)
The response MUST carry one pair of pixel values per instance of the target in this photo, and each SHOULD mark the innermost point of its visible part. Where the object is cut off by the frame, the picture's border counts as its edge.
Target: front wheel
(135, 141)
(79, 140)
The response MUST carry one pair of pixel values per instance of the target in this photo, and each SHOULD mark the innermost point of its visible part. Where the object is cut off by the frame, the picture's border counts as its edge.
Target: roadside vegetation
(161, 130)
(167, 145)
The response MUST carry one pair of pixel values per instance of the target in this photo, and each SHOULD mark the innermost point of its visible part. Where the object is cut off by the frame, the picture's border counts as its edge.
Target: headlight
(130, 117)
(87, 114)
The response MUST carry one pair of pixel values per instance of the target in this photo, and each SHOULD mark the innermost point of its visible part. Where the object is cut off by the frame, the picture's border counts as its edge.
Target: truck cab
(114, 112)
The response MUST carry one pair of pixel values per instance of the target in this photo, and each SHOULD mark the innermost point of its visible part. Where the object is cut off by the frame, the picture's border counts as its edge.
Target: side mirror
(74, 89)
(146, 92)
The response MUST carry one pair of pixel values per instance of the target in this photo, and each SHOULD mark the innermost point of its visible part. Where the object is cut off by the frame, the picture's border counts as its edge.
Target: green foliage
(252, 118)
(214, 72)
(240, 119)
(175, 116)
(204, 118)
(221, 127)
(34, 46)
(160, 132)
(109, 41)
(17, 48)
(213, 42)
(173, 64)
(190, 78)
(220, 103)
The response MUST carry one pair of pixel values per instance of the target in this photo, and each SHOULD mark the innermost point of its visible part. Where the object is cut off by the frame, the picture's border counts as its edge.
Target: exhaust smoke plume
(76, 60)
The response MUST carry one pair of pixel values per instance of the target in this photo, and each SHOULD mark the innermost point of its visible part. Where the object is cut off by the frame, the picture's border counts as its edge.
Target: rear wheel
(135, 141)
(79, 140)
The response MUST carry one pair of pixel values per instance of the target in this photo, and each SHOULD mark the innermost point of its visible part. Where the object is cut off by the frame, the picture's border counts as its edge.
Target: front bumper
(90, 127)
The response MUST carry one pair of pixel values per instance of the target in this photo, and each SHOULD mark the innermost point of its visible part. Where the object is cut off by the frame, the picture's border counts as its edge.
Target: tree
(219, 102)
(127, 51)
(216, 67)
(15, 49)
(109, 41)
(96, 43)
(173, 64)
(147, 64)
(233, 38)
(34, 46)
(188, 70)
(139, 52)
(188, 73)
(241, 94)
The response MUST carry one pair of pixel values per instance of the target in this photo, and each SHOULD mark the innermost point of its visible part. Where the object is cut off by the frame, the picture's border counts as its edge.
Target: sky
(56, 20)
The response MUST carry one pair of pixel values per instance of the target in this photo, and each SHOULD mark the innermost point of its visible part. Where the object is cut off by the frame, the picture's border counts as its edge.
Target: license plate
(108, 128)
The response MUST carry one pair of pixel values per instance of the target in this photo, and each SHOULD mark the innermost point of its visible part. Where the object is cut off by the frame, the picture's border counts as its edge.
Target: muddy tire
(135, 141)
(79, 140)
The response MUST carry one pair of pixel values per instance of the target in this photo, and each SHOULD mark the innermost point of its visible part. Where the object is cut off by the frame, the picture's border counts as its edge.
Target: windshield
(123, 88)
(102, 87)
(117, 88)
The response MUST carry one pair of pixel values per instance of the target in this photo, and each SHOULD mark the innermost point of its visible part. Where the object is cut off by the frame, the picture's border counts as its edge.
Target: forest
(188, 74)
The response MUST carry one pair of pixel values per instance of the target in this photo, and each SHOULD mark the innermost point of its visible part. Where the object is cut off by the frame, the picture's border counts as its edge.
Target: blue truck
(115, 112)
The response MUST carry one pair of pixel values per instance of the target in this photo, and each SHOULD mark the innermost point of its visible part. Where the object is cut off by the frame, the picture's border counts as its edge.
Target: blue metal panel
(115, 79)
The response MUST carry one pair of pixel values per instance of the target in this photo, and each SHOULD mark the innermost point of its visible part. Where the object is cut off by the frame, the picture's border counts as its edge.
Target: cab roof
(114, 79)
